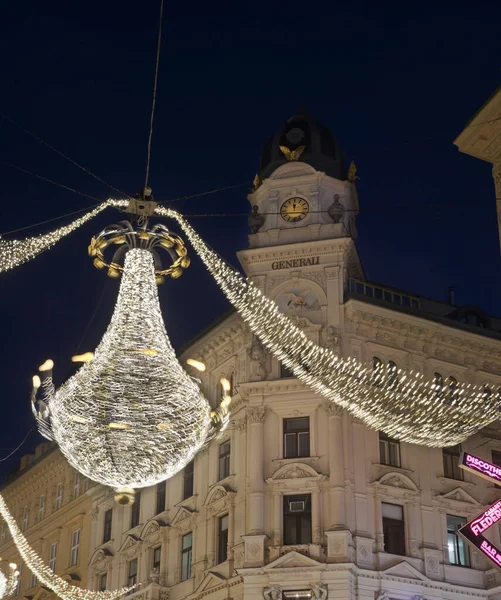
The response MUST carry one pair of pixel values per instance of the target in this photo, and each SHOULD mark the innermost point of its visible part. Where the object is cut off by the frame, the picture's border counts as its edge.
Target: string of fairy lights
(8, 583)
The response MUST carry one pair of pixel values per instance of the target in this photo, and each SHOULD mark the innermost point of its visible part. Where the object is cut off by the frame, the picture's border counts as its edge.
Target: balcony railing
(370, 290)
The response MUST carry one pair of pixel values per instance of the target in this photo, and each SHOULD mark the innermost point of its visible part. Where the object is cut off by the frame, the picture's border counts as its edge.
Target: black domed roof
(322, 150)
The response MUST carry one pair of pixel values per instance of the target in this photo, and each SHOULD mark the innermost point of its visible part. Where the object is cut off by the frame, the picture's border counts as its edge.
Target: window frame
(103, 576)
(135, 511)
(390, 523)
(459, 542)
(161, 497)
(222, 539)
(76, 485)
(19, 580)
(41, 507)
(53, 556)
(75, 547)
(297, 519)
(450, 459)
(154, 563)
(387, 442)
(224, 460)
(305, 431)
(26, 517)
(189, 479)
(59, 496)
(132, 579)
(186, 572)
(107, 525)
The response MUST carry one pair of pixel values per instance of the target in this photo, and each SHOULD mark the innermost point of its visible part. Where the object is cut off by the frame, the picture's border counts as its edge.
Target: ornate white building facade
(299, 499)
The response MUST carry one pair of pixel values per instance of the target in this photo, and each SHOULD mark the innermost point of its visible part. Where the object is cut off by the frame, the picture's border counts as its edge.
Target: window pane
(304, 444)
(383, 456)
(392, 511)
(301, 424)
(187, 540)
(290, 445)
(224, 522)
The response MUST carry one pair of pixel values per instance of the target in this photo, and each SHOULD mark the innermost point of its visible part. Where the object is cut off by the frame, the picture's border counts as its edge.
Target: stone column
(378, 525)
(315, 517)
(496, 174)
(337, 516)
(277, 518)
(255, 419)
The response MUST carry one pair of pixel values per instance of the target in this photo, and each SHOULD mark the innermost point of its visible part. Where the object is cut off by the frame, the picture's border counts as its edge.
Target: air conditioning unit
(297, 506)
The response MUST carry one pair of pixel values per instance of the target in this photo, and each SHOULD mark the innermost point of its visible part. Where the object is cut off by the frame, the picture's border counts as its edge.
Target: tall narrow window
(297, 520)
(186, 555)
(41, 507)
(224, 460)
(76, 485)
(458, 550)
(392, 374)
(19, 579)
(161, 496)
(297, 437)
(75, 545)
(33, 580)
(438, 384)
(135, 512)
(222, 539)
(188, 475)
(393, 528)
(389, 450)
(26, 518)
(451, 462)
(156, 558)
(452, 392)
(132, 572)
(52, 556)
(59, 496)
(103, 581)
(108, 521)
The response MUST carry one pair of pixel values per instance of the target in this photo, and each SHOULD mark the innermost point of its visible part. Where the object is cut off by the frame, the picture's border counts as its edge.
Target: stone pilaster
(255, 420)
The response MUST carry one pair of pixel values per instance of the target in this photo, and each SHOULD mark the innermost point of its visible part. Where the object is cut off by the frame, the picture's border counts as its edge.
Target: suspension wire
(16, 449)
(75, 212)
(229, 187)
(155, 81)
(61, 185)
(73, 162)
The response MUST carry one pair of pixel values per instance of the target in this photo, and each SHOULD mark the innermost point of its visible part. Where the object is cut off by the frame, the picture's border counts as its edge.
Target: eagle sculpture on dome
(292, 154)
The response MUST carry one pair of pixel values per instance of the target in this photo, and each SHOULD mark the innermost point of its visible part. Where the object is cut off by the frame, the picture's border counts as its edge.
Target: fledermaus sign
(295, 262)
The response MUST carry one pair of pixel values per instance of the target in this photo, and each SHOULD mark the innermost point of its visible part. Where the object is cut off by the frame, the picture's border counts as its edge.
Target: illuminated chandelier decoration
(46, 576)
(17, 252)
(131, 416)
(8, 583)
(403, 404)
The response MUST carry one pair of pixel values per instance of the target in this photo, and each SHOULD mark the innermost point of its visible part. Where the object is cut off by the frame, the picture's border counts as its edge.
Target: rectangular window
(132, 572)
(33, 580)
(297, 595)
(224, 460)
(41, 508)
(103, 582)
(188, 475)
(458, 549)
(222, 539)
(75, 544)
(496, 460)
(451, 462)
(297, 520)
(59, 496)
(52, 556)
(389, 450)
(26, 518)
(19, 580)
(135, 512)
(285, 372)
(297, 437)
(76, 485)
(186, 555)
(393, 528)
(108, 520)
(161, 496)
(157, 555)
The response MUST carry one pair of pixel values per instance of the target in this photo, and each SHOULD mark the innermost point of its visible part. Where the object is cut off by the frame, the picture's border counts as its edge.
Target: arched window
(378, 372)
(452, 383)
(392, 373)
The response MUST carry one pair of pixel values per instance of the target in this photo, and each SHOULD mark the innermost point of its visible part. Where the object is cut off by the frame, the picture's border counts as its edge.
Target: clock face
(294, 210)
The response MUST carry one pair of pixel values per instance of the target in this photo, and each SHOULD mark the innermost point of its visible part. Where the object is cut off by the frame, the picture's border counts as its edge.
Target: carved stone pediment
(101, 556)
(183, 519)
(398, 480)
(294, 471)
(130, 546)
(212, 581)
(292, 560)
(152, 530)
(459, 495)
(218, 499)
(404, 569)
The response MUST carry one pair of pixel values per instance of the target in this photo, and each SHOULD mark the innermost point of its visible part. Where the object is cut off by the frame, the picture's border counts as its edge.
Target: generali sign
(293, 263)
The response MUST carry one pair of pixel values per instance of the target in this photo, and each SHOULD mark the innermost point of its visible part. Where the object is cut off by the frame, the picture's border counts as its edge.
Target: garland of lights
(8, 584)
(402, 404)
(131, 416)
(16, 252)
(44, 573)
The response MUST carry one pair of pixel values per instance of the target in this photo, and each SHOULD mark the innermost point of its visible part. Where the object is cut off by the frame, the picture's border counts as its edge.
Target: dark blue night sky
(396, 83)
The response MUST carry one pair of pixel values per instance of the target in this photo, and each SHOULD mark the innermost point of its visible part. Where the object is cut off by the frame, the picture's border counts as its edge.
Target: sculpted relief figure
(319, 591)
(257, 357)
(272, 593)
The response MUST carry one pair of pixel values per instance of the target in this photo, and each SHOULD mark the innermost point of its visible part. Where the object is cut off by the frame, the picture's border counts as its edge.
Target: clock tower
(301, 246)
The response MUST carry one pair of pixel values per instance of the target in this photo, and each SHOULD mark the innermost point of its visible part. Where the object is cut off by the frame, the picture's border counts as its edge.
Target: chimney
(451, 294)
